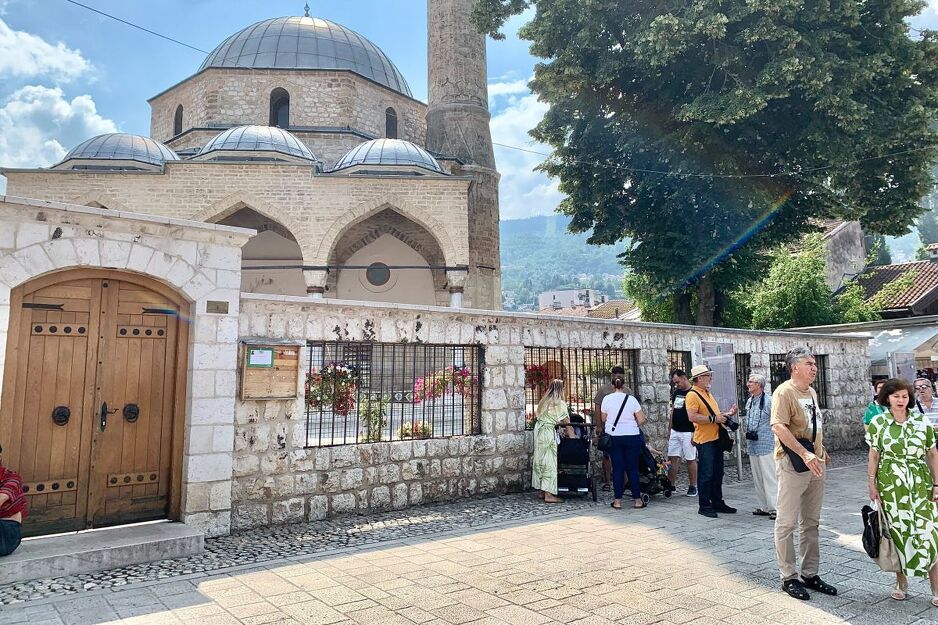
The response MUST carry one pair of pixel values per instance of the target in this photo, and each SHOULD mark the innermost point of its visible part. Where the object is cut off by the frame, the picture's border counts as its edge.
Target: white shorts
(680, 445)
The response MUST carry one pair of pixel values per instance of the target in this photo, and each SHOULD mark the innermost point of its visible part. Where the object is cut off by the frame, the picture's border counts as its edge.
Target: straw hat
(699, 370)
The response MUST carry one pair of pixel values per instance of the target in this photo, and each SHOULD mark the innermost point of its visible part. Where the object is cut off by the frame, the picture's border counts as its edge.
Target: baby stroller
(653, 474)
(574, 469)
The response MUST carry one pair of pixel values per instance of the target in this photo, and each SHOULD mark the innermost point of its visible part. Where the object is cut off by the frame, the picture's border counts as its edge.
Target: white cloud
(26, 55)
(523, 192)
(498, 89)
(38, 125)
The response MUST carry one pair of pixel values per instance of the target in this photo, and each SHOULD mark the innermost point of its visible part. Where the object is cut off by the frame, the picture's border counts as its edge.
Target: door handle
(104, 413)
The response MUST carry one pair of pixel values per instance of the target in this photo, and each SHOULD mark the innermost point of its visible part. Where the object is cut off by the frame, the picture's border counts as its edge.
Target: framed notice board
(269, 371)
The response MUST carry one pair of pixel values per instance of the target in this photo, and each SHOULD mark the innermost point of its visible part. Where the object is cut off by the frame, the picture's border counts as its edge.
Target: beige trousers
(799, 503)
(763, 477)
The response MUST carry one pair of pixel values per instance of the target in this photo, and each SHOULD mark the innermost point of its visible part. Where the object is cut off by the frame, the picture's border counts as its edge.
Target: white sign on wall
(720, 357)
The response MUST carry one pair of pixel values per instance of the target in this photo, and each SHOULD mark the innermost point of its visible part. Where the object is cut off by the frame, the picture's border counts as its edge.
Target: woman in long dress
(903, 472)
(551, 411)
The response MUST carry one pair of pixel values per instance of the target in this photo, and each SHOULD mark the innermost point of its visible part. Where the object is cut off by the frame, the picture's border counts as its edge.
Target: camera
(752, 436)
(731, 425)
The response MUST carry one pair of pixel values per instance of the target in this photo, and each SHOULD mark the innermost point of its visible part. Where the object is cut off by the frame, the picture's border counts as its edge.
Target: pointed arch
(367, 209)
(236, 201)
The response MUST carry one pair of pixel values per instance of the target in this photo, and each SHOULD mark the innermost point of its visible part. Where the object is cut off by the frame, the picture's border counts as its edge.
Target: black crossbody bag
(724, 442)
(605, 440)
(797, 462)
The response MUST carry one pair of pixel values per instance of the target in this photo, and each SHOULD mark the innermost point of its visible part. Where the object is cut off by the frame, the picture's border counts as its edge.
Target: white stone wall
(276, 479)
(200, 261)
(338, 99)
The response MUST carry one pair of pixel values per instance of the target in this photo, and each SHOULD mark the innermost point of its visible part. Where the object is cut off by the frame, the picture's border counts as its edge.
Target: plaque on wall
(269, 371)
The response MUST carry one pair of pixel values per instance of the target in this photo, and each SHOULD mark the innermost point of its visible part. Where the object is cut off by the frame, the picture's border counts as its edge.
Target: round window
(378, 274)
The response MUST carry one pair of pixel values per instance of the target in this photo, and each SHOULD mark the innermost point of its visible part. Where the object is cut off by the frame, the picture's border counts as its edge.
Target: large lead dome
(306, 43)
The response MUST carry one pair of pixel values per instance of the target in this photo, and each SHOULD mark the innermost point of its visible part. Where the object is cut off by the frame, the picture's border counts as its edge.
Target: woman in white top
(621, 417)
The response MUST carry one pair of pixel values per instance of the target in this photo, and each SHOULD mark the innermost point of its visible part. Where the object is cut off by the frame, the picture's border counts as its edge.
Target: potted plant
(373, 411)
(415, 430)
(332, 386)
(444, 382)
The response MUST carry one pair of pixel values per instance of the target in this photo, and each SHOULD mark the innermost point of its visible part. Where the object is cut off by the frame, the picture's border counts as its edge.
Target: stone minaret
(458, 126)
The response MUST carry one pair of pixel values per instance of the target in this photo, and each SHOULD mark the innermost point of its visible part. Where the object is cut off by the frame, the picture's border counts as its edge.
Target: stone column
(458, 126)
(456, 282)
(315, 282)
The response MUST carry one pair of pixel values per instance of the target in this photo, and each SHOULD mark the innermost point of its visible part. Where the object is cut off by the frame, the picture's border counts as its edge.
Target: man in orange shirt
(704, 412)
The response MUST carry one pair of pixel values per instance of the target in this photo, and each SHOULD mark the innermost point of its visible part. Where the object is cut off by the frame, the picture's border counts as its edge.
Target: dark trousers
(10, 536)
(624, 453)
(709, 475)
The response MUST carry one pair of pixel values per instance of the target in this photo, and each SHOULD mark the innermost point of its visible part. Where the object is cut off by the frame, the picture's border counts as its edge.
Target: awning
(919, 340)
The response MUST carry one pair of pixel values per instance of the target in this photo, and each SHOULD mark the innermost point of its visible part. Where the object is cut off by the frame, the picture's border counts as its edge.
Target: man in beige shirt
(796, 415)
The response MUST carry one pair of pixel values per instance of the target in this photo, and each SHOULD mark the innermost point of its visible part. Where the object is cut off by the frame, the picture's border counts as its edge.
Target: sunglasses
(920, 388)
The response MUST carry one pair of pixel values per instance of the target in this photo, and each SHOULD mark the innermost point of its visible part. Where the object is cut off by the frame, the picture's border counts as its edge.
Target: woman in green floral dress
(901, 442)
(551, 410)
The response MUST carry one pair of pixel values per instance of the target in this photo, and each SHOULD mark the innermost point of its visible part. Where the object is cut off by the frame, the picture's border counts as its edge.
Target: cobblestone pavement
(504, 560)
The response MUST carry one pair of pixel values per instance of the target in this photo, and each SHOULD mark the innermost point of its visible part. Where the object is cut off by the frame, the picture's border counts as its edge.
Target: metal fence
(583, 370)
(779, 373)
(363, 392)
(743, 369)
(679, 360)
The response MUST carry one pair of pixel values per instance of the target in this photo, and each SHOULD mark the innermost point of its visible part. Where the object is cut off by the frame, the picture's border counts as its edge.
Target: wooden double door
(93, 386)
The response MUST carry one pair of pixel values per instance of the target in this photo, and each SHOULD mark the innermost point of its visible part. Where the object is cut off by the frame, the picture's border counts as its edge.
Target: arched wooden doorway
(93, 402)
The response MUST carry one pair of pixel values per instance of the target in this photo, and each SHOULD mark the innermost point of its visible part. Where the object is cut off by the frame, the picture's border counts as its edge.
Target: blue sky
(67, 74)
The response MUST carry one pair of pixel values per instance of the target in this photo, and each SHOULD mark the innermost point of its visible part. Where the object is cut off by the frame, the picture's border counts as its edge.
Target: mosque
(305, 131)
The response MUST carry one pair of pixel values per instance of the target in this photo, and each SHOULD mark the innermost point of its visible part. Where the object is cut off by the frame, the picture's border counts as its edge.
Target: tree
(795, 293)
(928, 222)
(710, 131)
(877, 251)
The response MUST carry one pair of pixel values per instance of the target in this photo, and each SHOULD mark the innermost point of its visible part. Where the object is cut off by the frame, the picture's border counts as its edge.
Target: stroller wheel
(593, 490)
(645, 498)
(667, 494)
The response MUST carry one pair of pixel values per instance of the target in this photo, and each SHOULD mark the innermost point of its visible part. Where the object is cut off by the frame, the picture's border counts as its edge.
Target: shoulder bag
(877, 541)
(724, 442)
(605, 439)
(797, 462)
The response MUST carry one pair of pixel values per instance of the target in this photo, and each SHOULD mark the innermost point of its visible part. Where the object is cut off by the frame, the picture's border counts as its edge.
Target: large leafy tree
(709, 130)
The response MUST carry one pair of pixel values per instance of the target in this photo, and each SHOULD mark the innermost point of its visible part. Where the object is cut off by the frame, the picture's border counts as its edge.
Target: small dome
(389, 152)
(258, 139)
(306, 43)
(124, 147)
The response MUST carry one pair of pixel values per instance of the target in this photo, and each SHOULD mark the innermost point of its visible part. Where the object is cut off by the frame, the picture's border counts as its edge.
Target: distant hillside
(538, 254)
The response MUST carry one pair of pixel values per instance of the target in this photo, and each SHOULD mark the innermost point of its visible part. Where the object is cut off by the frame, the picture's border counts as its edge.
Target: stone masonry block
(289, 511)
(209, 468)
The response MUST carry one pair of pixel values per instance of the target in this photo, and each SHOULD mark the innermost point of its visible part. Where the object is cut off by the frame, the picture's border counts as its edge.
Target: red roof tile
(874, 279)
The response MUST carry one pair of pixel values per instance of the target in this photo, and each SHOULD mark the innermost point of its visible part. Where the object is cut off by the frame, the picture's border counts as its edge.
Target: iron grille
(358, 392)
(779, 373)
(679, 360)
(583, 370)
(743, 369)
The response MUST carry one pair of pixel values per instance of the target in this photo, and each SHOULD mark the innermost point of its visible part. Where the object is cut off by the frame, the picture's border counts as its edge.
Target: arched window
(177, 121)
(390, 123)
(280, 108)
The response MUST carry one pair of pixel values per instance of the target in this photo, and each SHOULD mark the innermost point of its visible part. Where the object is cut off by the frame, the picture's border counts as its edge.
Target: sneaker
(722, 507)
(708, 512)
(691, 491)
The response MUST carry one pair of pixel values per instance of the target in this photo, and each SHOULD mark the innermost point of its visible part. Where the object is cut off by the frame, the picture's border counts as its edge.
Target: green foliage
(539, 254)
(852, 305)
(793, 104)
(655, 305)
(373, 411)
(877, 251)
(794, 292)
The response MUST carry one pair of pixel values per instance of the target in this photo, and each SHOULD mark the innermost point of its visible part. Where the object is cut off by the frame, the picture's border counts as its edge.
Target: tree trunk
(682, 311)
(719, 308)
(706, 301)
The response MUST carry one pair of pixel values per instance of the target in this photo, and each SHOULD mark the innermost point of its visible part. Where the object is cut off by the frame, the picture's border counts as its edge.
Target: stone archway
(118, 341)
(273, 246)
(388, 238)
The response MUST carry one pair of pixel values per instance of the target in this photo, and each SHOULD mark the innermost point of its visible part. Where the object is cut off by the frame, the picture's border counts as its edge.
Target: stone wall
(276, 479)
(337, 99)
(316, 209)
(201, 262)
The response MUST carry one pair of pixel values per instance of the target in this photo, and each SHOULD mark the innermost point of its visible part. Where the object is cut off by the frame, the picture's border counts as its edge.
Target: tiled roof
(613, 309)
(875, 279)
